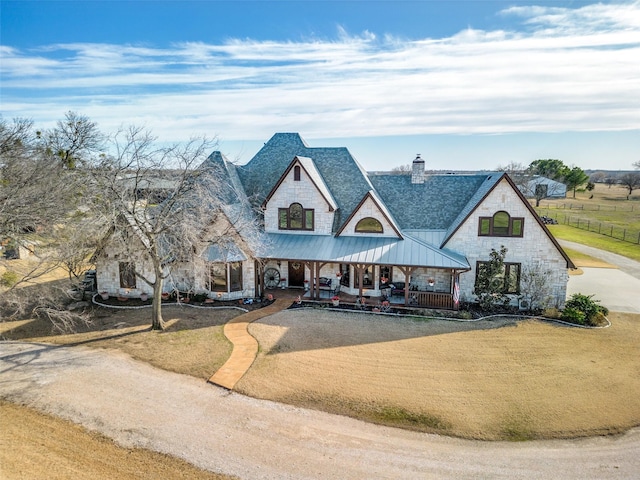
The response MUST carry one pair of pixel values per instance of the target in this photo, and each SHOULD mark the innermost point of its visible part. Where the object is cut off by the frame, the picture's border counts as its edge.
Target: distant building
(543, 187)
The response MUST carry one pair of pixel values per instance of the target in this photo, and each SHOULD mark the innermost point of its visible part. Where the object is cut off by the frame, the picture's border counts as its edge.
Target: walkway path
(245, 347)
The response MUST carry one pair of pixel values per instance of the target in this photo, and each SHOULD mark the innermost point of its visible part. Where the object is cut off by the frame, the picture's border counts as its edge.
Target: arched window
(295, 218)
(369, 225)
(501, 225)
(296, 173)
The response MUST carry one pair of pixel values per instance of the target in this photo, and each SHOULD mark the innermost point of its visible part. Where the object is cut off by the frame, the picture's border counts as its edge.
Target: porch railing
(432, 299)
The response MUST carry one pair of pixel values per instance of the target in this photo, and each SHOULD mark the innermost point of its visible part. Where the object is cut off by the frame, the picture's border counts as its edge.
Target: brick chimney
(417, 170)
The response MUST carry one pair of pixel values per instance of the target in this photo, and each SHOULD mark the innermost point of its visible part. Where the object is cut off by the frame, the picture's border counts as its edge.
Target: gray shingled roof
(310, 166)
(345, 178)
(432, 205)
(231, 190)
(490, 180)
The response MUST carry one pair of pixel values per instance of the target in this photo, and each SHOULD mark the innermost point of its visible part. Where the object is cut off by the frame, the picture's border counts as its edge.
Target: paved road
(617, 289)
(139, 405)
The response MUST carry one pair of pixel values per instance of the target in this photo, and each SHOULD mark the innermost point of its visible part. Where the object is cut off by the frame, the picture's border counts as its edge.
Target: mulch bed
(121, 302)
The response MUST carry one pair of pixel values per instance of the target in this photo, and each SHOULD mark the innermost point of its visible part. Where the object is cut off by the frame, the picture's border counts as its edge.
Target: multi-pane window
(369, 225)
(501, 225)
(127, 275)
(235, 276)
(217, 277)
(367, 277)
(224, 277)
(295, 218)
(508, 278)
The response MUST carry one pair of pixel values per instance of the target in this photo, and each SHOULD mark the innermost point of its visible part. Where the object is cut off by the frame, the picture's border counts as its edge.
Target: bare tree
(75, 139)
(401, 169)
(520, 175)
(611, 180)
(631, 181)
(534, 286)
(34, 191)
(158, 237)
(598, 177)
(39, 198)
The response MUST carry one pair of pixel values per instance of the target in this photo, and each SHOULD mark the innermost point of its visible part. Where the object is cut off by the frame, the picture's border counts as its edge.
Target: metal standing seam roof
(360, 249)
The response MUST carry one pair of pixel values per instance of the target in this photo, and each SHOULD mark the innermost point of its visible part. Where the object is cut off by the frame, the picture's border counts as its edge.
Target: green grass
(595, 240)
(603, 210)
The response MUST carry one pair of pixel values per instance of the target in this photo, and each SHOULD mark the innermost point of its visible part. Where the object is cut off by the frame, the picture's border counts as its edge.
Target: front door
(296, 274)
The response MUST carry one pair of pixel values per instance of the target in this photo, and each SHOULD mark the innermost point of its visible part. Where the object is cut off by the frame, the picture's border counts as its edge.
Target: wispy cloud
(561, 70)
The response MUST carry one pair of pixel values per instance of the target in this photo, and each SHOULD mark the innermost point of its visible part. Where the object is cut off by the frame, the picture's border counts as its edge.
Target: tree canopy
(572, 177)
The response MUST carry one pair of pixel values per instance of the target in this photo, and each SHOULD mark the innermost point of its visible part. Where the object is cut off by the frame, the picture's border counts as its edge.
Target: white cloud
(569, 70)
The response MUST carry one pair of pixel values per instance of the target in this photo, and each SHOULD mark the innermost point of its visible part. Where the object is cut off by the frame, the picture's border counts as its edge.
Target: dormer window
(369, 225)
(295, 218)
(296, 173)
(501, 225)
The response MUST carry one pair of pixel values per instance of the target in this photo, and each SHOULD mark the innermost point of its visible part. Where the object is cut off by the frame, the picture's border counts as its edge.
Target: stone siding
(306, 194)
(369, 209)
(534, 247)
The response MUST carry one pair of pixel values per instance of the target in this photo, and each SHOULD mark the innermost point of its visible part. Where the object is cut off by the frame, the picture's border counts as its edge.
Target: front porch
(435, 301)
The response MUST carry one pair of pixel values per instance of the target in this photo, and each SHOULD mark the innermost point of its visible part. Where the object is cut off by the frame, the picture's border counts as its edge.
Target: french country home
(330, 227)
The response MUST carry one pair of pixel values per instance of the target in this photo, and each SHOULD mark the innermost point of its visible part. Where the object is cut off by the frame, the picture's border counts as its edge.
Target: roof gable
(344, 177)
(483, 193)
(309, 167)
(381, 212)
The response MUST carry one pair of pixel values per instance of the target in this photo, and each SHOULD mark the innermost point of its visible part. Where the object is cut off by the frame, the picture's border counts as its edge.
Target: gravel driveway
(139, 405)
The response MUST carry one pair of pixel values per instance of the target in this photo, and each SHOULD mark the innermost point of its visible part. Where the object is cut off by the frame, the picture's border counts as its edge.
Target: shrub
(583, 310)
(9, 279)
(573, 315)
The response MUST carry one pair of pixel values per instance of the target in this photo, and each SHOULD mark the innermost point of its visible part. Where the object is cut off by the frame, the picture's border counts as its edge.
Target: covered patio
(407, 271)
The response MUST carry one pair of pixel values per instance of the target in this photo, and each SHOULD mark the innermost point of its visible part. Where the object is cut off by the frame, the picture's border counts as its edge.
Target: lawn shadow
(312, 329)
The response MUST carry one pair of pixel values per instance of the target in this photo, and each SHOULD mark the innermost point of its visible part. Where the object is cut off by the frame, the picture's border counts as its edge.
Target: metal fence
(592, 208)
(596, 226)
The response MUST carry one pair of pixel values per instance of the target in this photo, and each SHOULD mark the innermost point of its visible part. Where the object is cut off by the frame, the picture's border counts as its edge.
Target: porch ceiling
(370, 250)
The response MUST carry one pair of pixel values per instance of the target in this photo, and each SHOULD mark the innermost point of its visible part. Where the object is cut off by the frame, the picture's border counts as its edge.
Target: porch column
(408, 271)
(259, 278)
(313, 268)
(358, 269)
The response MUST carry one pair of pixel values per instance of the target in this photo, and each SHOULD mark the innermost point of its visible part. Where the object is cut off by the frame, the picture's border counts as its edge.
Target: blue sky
(468, 84)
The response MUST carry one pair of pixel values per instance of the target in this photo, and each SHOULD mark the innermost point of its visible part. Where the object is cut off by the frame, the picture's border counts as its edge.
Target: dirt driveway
(139, 405)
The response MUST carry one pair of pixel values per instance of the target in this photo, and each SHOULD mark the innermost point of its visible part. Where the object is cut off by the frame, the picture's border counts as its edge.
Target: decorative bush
(583, 310)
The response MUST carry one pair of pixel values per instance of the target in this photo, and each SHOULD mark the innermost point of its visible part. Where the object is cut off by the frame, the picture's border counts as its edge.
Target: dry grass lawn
(487, 380)
(192, 344)
(34, 445)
